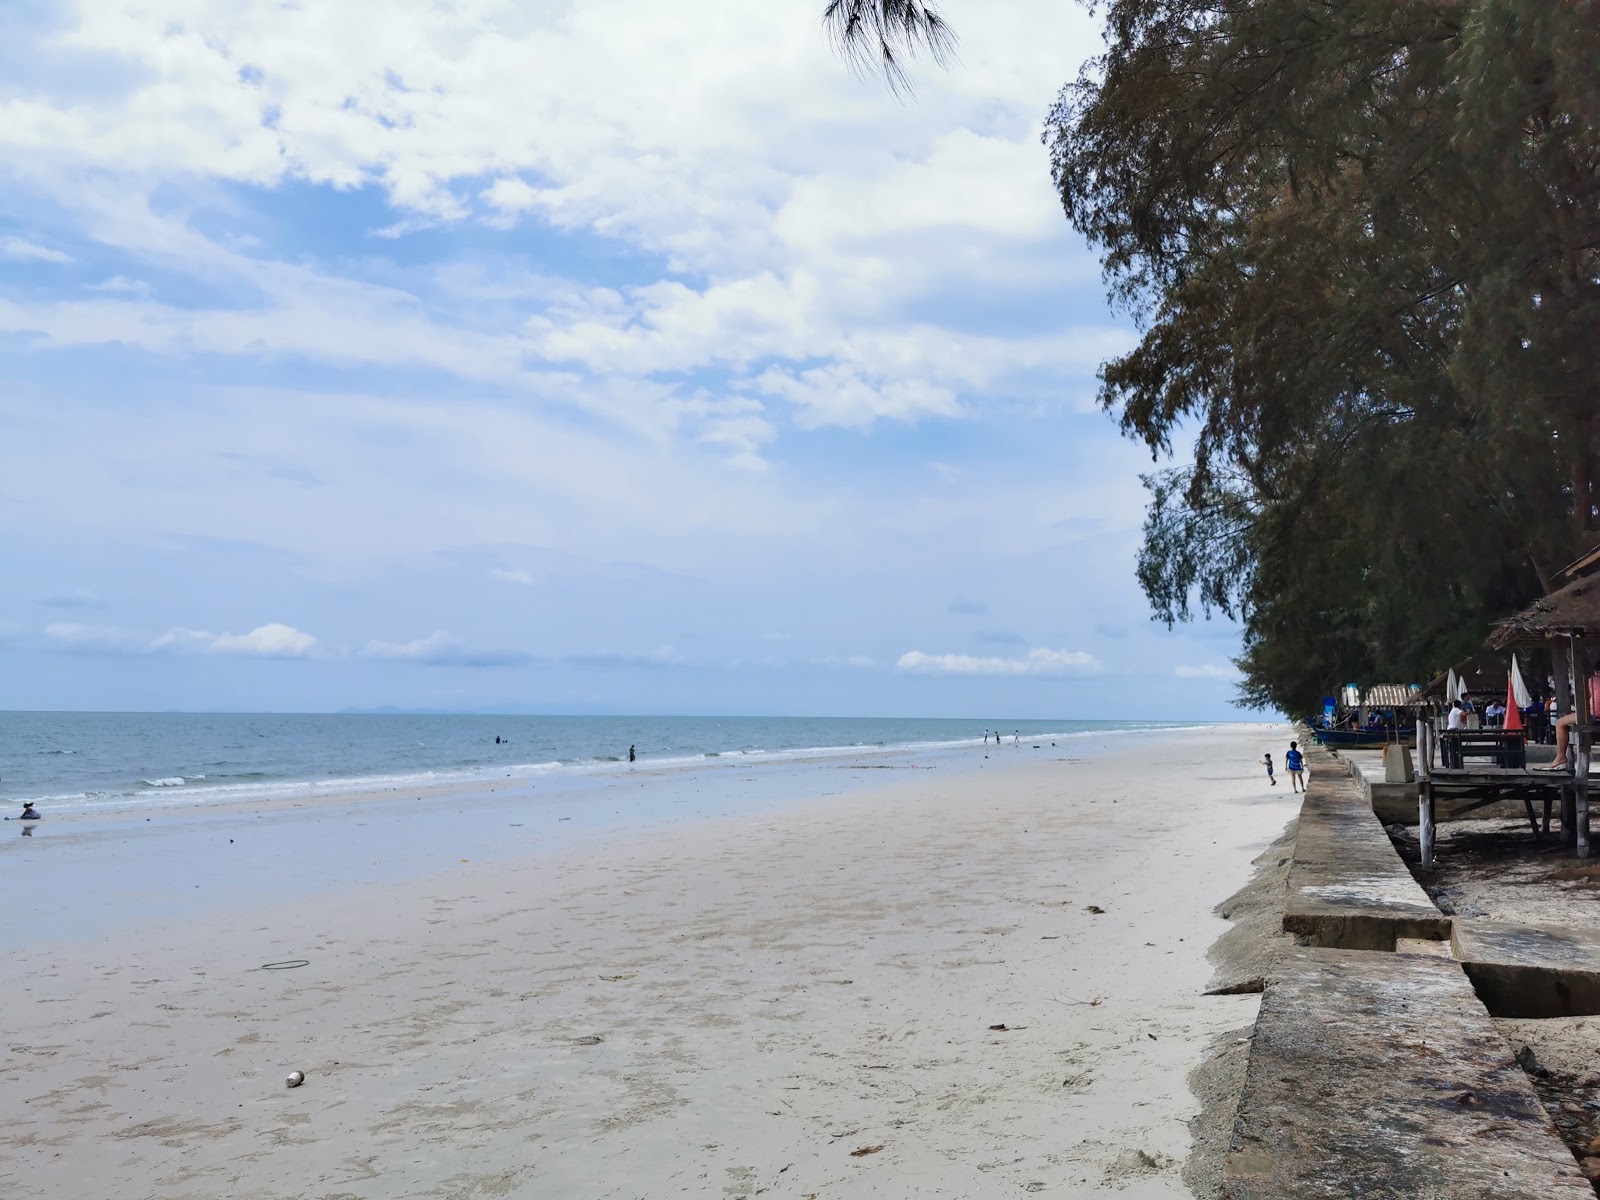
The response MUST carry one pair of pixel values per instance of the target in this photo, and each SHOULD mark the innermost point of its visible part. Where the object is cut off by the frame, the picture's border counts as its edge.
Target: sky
(604, 356)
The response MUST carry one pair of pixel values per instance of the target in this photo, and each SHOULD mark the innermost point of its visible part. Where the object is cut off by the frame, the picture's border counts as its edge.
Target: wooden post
(1562, 696)
(1425, 828)
(1578, 654)
(1425, 787)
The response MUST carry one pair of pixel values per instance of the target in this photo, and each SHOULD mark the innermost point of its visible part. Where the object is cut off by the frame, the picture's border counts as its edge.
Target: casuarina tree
(1361, 242)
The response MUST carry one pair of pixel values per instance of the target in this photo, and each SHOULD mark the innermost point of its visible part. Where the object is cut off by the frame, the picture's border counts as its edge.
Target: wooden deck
(1486, 783)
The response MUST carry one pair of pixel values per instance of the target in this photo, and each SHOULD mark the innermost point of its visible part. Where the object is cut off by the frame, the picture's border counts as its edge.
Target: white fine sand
(773, 995)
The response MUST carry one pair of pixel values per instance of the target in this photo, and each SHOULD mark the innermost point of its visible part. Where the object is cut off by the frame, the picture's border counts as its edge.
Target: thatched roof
(1483, 676)
(1586, 564)
(1574, 611)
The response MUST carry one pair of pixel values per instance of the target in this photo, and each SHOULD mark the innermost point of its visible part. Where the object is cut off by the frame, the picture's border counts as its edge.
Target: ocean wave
(253, 786)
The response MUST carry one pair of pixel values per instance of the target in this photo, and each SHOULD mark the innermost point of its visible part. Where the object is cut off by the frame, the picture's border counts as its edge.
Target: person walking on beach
(1295, 764)
(1266, 760)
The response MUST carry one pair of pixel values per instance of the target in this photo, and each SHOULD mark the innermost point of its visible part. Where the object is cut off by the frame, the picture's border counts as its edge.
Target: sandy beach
(906, 990)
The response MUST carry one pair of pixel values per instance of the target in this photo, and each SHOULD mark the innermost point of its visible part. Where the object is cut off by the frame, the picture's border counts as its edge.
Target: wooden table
(1485, 785)
(1504, 748)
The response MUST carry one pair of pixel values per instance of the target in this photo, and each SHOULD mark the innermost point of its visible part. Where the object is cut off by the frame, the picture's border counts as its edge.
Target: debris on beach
(295, 1079)
(1096, 909)
(589, 1040)
(1529, 1063)
(1132, 1163)
(864, 1151)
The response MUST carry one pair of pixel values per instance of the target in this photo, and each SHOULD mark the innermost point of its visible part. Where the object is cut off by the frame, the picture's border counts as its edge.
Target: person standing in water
(630, 753)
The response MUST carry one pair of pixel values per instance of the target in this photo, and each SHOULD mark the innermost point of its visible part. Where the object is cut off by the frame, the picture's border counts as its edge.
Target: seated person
(30, 813)
(1564, 727)
(1566, 724)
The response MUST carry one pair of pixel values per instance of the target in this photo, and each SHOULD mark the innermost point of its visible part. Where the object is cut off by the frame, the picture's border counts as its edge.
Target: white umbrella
(1452, 686)
(1519, 690)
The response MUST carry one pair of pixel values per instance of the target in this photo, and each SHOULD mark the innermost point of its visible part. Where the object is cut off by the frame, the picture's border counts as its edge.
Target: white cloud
(1035, 662)
(837, 395)
(265, 641)
(273, 640)
(807, 207)
(21, 250)
(1207, 671)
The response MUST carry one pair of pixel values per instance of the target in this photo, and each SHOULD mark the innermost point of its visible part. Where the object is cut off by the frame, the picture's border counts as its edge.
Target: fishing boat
(1364, 739)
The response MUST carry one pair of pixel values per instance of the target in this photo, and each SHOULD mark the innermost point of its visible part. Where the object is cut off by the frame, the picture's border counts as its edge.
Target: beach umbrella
(1518, 688)
(1513, 717)
(1452, 686)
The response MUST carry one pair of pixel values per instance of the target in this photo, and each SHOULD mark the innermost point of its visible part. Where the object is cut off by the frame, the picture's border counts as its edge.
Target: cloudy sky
(574, 356)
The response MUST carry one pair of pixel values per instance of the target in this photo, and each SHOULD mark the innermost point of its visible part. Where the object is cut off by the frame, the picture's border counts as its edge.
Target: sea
(81, 762)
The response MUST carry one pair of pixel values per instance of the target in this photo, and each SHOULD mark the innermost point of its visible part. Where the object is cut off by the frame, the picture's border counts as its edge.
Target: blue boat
(1364, 739)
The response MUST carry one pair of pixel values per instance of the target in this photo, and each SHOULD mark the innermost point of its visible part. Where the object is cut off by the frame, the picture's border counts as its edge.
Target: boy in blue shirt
(1295, 763)
(1266, 760)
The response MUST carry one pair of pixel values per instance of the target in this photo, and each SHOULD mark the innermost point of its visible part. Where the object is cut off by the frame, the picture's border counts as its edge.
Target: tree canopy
(1361, 240)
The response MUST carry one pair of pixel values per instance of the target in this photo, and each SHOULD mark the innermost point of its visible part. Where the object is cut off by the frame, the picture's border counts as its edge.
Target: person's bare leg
(1564, 729)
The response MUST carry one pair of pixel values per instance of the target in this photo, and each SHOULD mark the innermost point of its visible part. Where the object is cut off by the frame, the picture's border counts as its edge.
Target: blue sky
(558, 358)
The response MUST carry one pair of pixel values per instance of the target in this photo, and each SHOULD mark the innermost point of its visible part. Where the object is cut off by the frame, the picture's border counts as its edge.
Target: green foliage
(1362, 239)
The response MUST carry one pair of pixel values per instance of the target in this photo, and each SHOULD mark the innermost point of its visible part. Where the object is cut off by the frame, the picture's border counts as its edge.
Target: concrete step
(1381, 1075)
(1347, 886)
(1530, 970)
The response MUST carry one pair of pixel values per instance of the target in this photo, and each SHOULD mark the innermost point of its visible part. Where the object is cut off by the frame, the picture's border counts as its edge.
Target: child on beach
(1294, 762)
(1267, 761)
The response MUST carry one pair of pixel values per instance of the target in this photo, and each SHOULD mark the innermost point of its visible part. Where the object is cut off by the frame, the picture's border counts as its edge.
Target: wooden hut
(1481, 675)
(1567, 623)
